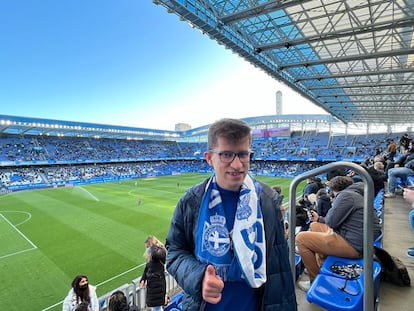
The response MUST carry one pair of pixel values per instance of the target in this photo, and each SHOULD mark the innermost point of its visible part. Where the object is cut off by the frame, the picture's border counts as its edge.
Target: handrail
(368, 234)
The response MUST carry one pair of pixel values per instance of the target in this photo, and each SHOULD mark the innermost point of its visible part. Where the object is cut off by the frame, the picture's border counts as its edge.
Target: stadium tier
(32, 159)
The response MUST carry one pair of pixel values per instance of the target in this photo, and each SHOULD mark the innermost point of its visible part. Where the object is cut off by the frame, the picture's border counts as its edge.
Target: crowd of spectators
(46, 161)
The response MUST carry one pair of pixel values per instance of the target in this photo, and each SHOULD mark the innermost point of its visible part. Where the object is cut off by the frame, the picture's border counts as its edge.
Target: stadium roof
(353, 58)
(26, 126)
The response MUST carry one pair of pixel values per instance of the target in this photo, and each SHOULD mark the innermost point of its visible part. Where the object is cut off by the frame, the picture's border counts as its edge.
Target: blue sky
(124, 62)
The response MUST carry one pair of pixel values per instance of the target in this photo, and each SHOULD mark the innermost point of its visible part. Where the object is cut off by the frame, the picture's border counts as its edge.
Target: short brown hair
(233, 130)
(339, 183)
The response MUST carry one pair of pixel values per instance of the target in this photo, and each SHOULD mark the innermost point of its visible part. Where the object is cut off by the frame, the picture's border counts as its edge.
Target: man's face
(230, 175)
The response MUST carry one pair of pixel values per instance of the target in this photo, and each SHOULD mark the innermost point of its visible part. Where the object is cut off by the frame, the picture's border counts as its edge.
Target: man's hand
(408, 194)
(212, 286)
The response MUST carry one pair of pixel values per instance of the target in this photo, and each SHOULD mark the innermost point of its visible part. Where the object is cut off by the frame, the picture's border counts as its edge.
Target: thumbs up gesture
(212, 286)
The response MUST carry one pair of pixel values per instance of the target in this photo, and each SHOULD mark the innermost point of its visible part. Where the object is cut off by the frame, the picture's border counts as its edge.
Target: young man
(226, 244)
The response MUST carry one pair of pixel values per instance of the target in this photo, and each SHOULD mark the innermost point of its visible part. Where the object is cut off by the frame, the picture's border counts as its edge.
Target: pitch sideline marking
(21, 234)
(97, 285)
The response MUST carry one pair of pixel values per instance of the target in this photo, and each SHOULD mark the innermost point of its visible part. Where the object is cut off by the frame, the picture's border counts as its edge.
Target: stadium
(81, 197)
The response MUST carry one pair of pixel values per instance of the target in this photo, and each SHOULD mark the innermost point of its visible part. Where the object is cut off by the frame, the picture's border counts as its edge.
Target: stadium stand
(37, 161)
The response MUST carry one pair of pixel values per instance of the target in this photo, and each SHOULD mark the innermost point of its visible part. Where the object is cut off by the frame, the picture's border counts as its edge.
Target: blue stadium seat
(336, 292)
(176, 302)
(410, 181)
(299, 265)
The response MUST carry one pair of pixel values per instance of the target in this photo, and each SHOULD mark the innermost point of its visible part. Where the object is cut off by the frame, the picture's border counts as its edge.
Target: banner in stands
(277, 132)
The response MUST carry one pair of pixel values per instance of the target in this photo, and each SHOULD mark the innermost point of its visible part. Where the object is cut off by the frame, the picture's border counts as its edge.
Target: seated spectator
(118, 302)
(335, 172)
(404, 142)
(80, 292)
(312, 186)
(377, 174)
(391, 150)
(323, 202)
(340, 233)
(408, 195)
(310, 201)
(282, 207)
(403, 168)
(302, 220)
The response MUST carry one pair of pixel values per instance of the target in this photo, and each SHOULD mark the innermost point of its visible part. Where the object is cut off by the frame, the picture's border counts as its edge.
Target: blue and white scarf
(216, 243)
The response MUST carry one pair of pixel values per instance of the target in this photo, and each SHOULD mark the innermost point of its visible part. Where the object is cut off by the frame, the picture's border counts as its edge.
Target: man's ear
(207, 156)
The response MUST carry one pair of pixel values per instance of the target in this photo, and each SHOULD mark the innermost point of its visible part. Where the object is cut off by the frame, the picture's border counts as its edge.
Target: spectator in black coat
(154, 274)
(378, 176)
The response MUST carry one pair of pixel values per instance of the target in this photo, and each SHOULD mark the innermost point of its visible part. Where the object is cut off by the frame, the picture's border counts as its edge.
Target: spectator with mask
(340, 233)
(80, 292)
(226, 245)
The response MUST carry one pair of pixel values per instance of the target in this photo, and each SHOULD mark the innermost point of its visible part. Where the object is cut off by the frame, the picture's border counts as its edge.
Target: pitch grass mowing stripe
(98, 231)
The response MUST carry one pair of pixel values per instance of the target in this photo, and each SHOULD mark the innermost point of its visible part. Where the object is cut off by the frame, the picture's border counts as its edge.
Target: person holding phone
(340, 232)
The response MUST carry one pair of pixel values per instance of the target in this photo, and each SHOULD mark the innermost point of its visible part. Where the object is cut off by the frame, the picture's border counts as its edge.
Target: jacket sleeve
(94, 298)
(144, 274)
(67, 301)
(181, 261)
(342, 207)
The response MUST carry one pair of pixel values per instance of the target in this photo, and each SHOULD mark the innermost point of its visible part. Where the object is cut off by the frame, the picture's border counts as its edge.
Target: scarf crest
(236, 253)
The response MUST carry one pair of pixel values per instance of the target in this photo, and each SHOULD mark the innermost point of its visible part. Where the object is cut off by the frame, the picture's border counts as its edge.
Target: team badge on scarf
(217, 245)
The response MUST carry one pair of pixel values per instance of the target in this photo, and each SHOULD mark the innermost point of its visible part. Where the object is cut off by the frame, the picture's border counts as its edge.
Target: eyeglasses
(228, 156)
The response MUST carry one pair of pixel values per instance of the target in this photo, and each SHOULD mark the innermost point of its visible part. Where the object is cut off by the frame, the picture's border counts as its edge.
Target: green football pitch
(49, 236)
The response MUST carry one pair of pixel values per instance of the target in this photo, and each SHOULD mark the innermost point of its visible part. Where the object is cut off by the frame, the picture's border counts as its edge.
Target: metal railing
(135, 294)
(368, 226)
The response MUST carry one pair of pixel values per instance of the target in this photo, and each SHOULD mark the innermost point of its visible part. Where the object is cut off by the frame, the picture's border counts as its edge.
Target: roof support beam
(357, 74)
(373, 100)
(350, 58)
(256, 10)
(363, 85)
(350, 32)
